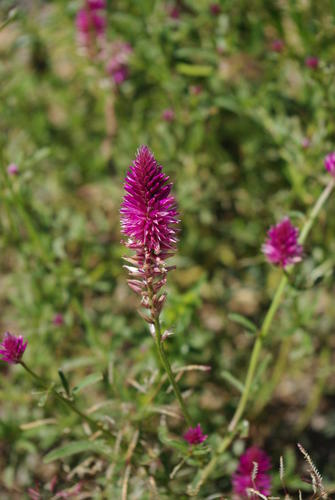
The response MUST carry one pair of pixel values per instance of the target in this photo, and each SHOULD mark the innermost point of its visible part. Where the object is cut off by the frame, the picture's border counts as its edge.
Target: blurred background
(236, 100)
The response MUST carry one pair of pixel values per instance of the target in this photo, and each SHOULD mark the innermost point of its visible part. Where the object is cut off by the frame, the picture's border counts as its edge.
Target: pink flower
(330, 163)
(118, 64)
(58, 319)
(148, 218)
(12, 348)
(248, 475)
(174, 12)
(168, 115)
(282, 247)
(306, 142)
(12, 169)
(194, 435)
(195, 89)
(312, 62)
(96, 4)
(277, 45)
(215, 9)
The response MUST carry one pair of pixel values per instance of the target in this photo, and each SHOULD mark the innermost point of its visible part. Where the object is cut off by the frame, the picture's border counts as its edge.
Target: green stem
(258, 345)
(256, 351)
(166, 364)
(96, 425)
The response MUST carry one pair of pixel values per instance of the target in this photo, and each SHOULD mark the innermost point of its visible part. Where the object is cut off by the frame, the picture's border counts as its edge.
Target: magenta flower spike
(12, 169)
(248, 475)
(12, 348)
(195, 435)
(312, 62)
(58, 319)
(330, 163)
(148, 218)
(277, 45)
(215, 9)
(117, 67)
(168, 115)
(281, 247)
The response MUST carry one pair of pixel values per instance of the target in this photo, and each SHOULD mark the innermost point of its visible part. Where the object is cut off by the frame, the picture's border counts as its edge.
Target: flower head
(58, 319)
(12, 348)
(118, 64)
(282, 247)
(306, 142)
(312, 62)
(248, 475)
(330, 163)
(12, 169)
(215, 9)
(148, 218)
(277, 45)
(168, 115)
(194, 435)
(148, 211)
(96, 4)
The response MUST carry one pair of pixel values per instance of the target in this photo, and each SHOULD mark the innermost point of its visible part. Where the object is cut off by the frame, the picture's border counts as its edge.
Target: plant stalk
(202, 477)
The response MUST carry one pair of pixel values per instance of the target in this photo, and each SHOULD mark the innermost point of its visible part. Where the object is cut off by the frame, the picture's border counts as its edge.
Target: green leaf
(194, 69)
(77, 447)
(89, 380)
(243, 321)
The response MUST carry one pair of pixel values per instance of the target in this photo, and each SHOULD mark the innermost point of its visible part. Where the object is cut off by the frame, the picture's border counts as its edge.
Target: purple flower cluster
(277, 45)
(281, 247)
(148, 218)
(12, 169)
(330, 163)
(195, 435)
(312, 62)
(12, 348)
(252, 472)
(91, 24)
(117, 67)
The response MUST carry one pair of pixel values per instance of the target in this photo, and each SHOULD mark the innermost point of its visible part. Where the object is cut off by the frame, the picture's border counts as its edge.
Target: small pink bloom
(96, 4)
(306, 142)
(12, 169)
(312, 62)
(168, 115)
(277, 45)
(58, 319)
(243, 477)
(330, 163)
(195, 89)
(281, 247)
(12, 348)
(117, 67)
(174, 12)
(215, 9)
(194, 435)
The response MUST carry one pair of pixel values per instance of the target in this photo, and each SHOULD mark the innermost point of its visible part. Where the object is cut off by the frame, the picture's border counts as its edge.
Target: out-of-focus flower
(194, 435)
(312, 62)
(174, 12)
(215, 9)
(117, 66)
(96, 4)
(277, 45)
(306, 142)
(195, 89)
(168, 115)
(12, 348)
(58, 319)
(249, 475)
(12, 169)
(329, 162)
(282, 247)
(91, 24)
(148, 218)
